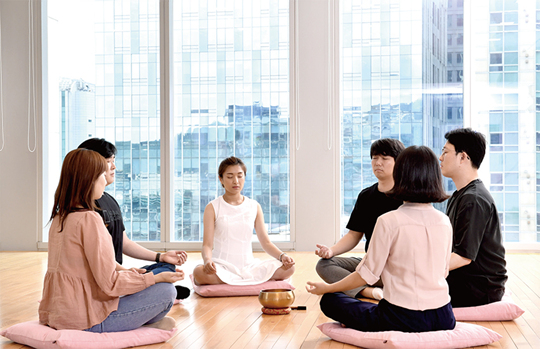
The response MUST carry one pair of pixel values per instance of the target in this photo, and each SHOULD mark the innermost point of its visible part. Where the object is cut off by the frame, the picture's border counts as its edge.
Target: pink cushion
(39, 336)
(463, 336)
(225, 290)
(504, 310)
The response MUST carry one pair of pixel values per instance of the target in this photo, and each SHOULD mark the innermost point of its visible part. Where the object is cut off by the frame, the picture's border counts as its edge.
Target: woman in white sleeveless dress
(229, 221)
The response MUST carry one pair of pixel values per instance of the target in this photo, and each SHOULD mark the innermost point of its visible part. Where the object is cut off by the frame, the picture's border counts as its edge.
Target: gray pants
(337, 268)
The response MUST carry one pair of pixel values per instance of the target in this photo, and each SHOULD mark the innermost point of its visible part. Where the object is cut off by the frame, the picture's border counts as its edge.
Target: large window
(503, 98)
(231, 97)
(394, 84)
(103, 81)
(230, 75)
(411, 70)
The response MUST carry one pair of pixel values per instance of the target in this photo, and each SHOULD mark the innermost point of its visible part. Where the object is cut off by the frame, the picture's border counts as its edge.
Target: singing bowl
(276, 298)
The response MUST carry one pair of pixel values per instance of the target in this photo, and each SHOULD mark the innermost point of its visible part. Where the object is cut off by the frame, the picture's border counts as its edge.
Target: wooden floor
(237, 322)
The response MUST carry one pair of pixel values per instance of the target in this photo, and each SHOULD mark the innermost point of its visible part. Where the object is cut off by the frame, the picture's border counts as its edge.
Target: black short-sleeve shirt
(111, 213)
(478, 237)
(370, 204)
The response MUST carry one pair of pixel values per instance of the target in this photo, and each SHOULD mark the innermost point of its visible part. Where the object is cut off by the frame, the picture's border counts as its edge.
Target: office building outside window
(114, 45)
(504, 104)
(393, 83)
(231, 97)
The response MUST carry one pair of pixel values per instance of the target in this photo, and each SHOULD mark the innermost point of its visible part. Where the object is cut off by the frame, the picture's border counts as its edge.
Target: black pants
(366, 316)
(468, 292)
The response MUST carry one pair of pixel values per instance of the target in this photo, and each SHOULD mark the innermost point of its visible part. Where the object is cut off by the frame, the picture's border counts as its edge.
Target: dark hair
(417, 176)
(80, 170)
(230, 161)
(106, 149)
(470, 142)
(387, 147)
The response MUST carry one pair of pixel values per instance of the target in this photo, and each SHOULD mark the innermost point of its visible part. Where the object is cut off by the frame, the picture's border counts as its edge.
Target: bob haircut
(80, 170)
(417, 176)
(468, 141)
(386, 147)
(230, 161)
(106, 149)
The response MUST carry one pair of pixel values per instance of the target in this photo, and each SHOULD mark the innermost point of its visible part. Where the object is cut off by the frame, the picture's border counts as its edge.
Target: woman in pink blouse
(410, 251)
(84, 287)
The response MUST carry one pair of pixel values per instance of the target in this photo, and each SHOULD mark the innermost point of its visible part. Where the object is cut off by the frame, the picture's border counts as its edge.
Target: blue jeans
(160, 267)
(144, 307)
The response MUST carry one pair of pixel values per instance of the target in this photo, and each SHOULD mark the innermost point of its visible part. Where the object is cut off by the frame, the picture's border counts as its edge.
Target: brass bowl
(276, 298)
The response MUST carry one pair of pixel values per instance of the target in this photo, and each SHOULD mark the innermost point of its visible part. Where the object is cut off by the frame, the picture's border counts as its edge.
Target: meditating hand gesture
(318, 288)
(174, 257)
(169, 276)
(324, 251)
(287, 261)
(209, 267)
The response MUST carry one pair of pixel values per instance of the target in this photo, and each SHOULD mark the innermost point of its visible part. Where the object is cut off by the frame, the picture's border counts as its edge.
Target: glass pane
(496, 178)
(511, 58)
(496, 18)
(511, 201)
(511, 178)
(509, 109)
(103, 81)
(495, 5)
(511, 122)
(414, 108)
(495, 58)
(231, 97)
(510, 5)
(496, 162)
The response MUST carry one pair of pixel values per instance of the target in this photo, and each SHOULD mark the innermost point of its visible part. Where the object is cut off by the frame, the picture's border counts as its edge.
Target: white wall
(20, 217)
(314, 135)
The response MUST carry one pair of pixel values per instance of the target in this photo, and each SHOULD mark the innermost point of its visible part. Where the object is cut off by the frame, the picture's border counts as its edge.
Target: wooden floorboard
(237, 322)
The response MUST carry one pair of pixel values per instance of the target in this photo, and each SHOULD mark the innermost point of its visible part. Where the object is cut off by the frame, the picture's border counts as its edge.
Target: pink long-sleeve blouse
(82, 286)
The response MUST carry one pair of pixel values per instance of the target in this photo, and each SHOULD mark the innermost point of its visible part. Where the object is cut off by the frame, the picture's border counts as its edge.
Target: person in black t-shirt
(477, 265)
(111, 213)
(370, 204)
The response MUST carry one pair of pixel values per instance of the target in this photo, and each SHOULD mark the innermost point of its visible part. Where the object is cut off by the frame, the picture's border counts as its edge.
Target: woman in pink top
(84, 284)
(409, 250)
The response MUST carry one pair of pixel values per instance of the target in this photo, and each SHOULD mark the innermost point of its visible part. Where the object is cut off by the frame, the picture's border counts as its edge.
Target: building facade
(504, 85)
(394, 82)
(77, 113)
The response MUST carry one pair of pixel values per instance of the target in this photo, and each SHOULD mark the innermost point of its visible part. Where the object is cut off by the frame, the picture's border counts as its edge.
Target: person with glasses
(110, 211)
(477, 267)
(410, 251)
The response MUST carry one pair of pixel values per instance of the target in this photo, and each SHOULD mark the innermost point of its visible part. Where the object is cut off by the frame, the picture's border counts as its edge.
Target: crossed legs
(337, 268)
(202, 278)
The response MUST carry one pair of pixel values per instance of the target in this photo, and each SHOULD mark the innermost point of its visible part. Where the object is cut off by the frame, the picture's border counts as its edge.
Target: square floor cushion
(225, 290)
(463, 336)
(39, 336)
(504, 310)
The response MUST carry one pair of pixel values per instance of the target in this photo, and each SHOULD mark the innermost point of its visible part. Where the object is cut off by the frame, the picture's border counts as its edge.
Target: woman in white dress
(229, 221)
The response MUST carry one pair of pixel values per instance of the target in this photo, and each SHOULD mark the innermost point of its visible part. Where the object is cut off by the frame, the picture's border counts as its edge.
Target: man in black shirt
(477, 265)
(111, 213)
(370, 204)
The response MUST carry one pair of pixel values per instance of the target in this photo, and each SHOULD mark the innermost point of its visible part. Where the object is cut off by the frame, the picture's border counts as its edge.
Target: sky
(71, 38)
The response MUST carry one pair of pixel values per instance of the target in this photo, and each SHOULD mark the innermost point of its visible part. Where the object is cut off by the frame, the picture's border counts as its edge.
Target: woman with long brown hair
(82, 288)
